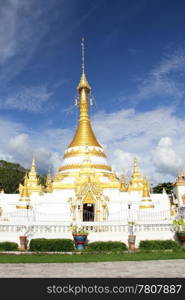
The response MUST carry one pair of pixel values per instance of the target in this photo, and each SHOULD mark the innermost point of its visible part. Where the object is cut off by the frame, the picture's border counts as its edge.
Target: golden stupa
(84, 156)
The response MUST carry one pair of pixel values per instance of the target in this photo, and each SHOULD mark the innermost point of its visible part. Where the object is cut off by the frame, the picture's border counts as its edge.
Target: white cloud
(165, 79)
(23, 24)
(165, 158)
(155, 137)
(148, 136)
(8, 16)
(28, 99)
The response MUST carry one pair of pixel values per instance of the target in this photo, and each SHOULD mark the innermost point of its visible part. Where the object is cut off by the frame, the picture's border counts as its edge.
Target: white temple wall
(94, 236)
(179, 191)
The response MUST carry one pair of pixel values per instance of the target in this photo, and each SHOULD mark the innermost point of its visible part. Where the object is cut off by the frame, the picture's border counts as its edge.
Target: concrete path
(126, 269)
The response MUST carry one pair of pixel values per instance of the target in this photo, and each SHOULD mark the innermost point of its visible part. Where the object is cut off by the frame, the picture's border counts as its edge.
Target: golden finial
(26, 179)
(25, 193)
(146, 192)
(33, 161)
(33, 165)
(135, 165)
(83, 56)
(83, 81)
(135, 169)
(123, 186)
(24, 201)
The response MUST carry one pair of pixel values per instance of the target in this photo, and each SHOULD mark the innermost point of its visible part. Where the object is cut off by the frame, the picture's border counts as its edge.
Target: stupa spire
(83, 56)
(33, 169)
(135, 169)
(84, 134)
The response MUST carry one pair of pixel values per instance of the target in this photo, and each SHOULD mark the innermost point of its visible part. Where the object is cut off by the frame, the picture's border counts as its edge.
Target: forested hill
(11, 174)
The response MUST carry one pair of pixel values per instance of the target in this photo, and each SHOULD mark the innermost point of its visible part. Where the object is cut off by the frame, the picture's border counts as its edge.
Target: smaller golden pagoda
(123, 186)
(146, 201)
(136, 182)
(24, 201)
(32, 184)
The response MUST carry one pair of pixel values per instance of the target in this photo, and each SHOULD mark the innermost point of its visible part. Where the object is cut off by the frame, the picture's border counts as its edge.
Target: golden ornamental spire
(136, 182)
(123, 186)
(146, 191)
(33, 165)
(146, 201)
(83, 81)
(24, 201)
(136, 169)
(24, 192)
(84, 134)
(83, 55)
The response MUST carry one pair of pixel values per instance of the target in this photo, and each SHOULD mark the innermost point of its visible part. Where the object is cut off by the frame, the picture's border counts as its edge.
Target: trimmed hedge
(106, 246)
(51, 245)
(8, 246)
(158, 245)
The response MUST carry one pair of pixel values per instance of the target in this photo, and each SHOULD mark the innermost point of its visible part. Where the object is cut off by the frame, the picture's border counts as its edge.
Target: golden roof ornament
(146, 191)
(146, 201)
(136, 169)
(33, 170)
(24, 201)
(32, 181)
(123, 186)
(24, 193)
(136, 182)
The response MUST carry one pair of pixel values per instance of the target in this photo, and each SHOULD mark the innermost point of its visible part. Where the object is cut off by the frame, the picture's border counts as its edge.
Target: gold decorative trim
(24, 200)
(179, 184)
(147, 200)
(146, 206)
(64, 186)
(110, 185)
(23, 206)
(80, 152)
(79, 166)
(61, 186)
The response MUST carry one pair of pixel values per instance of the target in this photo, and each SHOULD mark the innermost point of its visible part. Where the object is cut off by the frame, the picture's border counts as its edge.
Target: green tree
(11, 175)
(158, 189)
(42, 179)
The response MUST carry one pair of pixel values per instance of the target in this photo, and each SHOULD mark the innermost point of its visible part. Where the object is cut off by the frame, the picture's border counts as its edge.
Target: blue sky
(135, 64)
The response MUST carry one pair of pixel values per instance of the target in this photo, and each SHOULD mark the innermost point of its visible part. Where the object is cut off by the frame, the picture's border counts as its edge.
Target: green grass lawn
(64, 258)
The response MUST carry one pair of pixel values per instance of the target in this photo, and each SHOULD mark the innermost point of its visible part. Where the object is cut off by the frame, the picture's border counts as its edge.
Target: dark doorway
(88, 212)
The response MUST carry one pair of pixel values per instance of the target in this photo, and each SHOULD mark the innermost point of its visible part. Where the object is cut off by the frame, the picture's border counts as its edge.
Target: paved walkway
(125, 269)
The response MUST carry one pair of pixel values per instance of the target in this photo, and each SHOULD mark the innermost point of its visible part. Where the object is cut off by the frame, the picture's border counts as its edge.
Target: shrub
(106, 246)
(51, 245)
(158, 245)
(8, 246)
